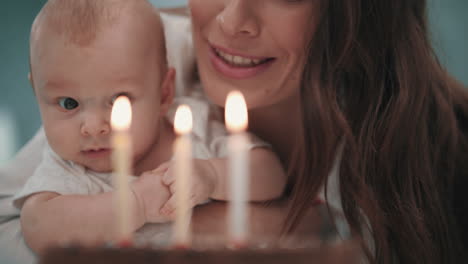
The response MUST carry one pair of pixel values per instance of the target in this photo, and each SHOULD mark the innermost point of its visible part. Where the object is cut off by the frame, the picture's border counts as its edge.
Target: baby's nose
(95, 126)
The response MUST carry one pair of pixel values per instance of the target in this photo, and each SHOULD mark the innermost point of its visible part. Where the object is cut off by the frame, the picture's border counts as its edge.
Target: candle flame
(121, 116)
(236, 112)
(183, 120)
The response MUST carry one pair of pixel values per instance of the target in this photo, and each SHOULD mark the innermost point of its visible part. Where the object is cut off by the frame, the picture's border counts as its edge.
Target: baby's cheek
(144, 138)
(62, 138)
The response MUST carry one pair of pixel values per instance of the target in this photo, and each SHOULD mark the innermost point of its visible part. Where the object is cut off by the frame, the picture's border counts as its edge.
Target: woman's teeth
(238, 60)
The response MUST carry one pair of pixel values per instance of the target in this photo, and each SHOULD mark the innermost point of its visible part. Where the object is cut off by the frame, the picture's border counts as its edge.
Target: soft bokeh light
(121, 116)
(183, 120)
(236, 112)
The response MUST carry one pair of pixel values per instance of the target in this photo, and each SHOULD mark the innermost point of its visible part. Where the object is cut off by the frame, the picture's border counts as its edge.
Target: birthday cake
(327, 254)
(325, 246)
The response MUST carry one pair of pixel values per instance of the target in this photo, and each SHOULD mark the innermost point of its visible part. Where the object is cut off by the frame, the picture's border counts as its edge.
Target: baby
(84, 54)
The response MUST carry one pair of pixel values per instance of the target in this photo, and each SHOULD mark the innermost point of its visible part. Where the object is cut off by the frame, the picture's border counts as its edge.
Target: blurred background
(19, 116)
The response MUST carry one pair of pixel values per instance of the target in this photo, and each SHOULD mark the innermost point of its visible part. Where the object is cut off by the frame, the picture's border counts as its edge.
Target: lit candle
(182, 172)
(121, 118)
(236, 122)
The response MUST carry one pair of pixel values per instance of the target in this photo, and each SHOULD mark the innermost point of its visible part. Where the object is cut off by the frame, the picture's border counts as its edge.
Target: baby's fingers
(168, 178)
(162, 168)
(169, 206)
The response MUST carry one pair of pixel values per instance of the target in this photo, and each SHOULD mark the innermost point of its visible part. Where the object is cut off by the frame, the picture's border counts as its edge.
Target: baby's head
(83, 54)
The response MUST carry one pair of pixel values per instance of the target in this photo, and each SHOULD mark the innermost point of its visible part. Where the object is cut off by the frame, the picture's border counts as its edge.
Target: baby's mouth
(240, 61)
(96, 151)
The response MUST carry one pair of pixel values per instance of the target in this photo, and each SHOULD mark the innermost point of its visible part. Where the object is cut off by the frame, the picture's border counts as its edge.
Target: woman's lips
(237, 72)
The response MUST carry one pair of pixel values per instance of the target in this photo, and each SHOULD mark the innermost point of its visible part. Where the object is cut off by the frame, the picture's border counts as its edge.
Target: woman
(370, 83)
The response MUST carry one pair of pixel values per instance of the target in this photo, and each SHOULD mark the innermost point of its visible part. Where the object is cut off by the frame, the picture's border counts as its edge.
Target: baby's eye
(117, 95)
(68, 103)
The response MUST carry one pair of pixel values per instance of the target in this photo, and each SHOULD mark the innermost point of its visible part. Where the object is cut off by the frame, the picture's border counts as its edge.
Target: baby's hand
(151, 194)
(202, 184)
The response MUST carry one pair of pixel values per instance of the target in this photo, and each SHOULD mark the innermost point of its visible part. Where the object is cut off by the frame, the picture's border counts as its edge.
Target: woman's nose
(95, 125)
(238, 19)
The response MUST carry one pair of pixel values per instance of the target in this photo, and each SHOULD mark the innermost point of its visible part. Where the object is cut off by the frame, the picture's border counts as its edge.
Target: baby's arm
(48, 218)
(210, 179)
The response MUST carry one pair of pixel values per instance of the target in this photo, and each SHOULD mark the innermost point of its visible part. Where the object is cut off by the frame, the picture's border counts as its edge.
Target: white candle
(236, 122)
(121, 159)
(182, 172)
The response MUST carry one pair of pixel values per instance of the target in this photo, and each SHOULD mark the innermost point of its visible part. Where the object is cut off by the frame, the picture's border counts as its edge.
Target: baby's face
(75, 88)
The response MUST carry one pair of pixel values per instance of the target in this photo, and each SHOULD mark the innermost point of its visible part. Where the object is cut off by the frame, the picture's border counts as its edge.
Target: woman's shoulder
(180, 51)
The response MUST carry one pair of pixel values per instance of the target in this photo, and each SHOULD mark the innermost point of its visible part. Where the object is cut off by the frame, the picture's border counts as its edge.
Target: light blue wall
(449, 20)
(169, 3)
(16, 96)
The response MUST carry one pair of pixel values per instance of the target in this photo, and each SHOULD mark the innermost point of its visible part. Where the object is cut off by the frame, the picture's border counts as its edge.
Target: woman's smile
(233, 64)
(257, 47)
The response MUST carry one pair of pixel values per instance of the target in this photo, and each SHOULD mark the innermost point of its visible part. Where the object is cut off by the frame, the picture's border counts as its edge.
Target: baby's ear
(31, 81)
(167, 90)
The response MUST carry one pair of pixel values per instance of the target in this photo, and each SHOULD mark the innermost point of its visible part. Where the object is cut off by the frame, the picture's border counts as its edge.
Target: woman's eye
(68, 103)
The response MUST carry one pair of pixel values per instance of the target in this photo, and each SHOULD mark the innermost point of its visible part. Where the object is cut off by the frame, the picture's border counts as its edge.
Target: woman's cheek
(202, 11)
(195, 9)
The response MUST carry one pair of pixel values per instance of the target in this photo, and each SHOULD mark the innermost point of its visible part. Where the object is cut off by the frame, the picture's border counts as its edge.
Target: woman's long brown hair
(372, 81)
